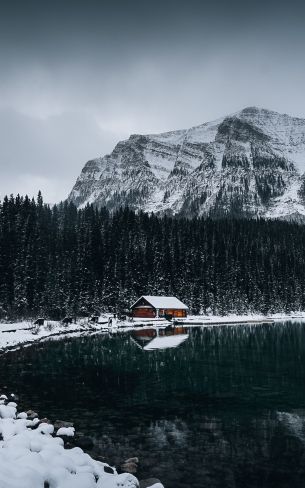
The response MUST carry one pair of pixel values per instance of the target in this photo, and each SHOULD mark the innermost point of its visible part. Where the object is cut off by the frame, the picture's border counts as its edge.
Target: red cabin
(148, 307)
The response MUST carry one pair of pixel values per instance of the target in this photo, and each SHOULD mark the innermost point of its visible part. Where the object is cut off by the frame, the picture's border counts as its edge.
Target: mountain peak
(248, 163)
(252, 110)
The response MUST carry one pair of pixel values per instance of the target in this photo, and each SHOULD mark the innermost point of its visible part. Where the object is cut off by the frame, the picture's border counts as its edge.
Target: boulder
(31, 415)
(130, 465)
(44, 421)
(58, 424)
(132, 460)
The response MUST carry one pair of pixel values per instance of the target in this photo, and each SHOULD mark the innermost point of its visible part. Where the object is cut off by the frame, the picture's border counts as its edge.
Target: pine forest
(60, 260)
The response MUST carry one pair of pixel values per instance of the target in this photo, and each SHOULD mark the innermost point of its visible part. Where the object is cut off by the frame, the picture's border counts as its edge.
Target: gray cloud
(78, 76)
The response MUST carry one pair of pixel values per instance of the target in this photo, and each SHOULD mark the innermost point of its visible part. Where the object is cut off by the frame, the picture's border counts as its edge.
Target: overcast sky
(77, 76)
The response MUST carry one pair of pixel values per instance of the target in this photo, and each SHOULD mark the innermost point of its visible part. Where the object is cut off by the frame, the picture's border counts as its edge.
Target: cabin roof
(163, 302)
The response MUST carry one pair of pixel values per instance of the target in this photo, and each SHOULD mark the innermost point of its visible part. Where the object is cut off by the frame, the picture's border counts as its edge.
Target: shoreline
(36, 452)
(13, 336)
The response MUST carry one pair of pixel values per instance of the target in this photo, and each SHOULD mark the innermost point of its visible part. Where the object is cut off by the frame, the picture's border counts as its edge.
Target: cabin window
(175, 312)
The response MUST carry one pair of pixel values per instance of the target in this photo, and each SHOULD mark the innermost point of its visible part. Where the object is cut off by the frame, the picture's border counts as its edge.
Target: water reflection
(224, 409)
(160, 338)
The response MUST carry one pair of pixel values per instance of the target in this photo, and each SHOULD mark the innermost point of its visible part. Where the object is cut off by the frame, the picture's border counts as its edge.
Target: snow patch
(68, 431)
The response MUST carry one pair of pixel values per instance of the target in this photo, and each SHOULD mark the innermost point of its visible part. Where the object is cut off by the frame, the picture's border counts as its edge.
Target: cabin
(149, 307)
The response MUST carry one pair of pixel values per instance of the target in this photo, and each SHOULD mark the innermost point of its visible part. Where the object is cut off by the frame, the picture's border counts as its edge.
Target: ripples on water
(226, 408)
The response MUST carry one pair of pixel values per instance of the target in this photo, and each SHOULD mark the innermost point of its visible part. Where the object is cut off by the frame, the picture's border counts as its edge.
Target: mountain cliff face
(249, 163)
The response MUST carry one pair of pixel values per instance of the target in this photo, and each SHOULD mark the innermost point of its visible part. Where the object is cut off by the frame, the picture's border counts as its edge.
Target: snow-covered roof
(163, 302)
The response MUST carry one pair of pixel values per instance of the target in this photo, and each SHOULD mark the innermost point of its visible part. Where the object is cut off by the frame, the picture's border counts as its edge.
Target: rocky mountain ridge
(249, 163)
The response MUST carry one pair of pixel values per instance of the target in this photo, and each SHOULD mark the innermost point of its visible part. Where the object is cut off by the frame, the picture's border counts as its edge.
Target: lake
(216, 407)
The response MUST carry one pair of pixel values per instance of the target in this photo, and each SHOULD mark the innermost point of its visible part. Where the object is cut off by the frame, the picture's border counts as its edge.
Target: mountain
(249, 163)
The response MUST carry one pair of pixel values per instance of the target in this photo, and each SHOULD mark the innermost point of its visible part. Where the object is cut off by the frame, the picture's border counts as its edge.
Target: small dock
(223, 322)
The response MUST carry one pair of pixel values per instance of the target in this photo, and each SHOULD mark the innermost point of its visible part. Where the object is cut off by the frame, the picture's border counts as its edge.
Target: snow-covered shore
(33, 455)
(235, 319)
(14, 335)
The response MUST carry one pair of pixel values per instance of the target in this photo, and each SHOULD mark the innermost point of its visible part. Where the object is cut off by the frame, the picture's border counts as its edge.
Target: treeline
(60, 260)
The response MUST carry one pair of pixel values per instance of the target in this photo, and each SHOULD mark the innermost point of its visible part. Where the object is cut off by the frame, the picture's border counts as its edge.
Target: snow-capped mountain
(248, 163)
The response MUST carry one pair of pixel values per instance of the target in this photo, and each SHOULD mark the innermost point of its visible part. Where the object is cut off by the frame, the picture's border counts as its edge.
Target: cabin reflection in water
(152, 339)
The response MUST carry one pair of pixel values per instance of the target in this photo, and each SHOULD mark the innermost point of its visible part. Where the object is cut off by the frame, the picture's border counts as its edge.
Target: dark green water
(224, 409)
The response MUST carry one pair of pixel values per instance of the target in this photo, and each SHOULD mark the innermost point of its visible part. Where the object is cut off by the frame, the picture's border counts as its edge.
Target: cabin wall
(144, 313)
(173, 311)
(150, 313)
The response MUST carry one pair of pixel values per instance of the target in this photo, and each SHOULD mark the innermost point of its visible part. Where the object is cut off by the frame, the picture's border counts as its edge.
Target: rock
(58, 424)
(129, 467)
(83, 442)
(132, 460)
(31, 415)
(44, 421)
(67, 441)
(150, 483)
(108, 469)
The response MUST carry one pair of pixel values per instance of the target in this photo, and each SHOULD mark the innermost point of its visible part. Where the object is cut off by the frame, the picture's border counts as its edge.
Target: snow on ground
(25, 332)
(18, 334)
(33, 456)
(287, 204)
(241, 319)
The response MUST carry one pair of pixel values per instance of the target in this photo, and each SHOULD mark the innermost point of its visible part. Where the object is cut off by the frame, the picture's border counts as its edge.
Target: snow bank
(31, 456)
(68, 431)
(21, 333)
(234, 319)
